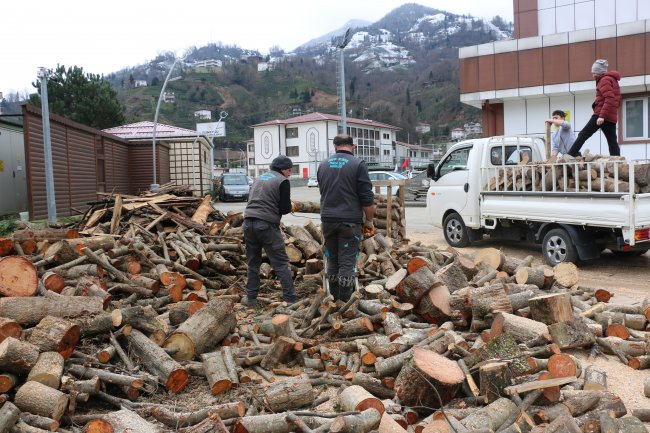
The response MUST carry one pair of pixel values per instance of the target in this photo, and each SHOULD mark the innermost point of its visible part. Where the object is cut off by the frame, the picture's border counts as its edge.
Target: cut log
(494, 377)
(48, 369)
(617, 330)
(452, 276)
(55, 334)
(522, 330)
(202, 331)
(424, 371)
(566, 274)
(9, 328)
(216, 372)
(30, 311)
(158, 362)
(552, 308)
(571, 334)
(491, 256)
(372, 385)
(39, 399)
(528, 275)
(563, 365)
(289, 394)
(105, 376)
(640, 362)
(356, 398)
(418, 262)
(626, 347)
(121, 421)
(53, 281)
(395, 279)
(16, 356)
(18, 277)
(389, 425)
(417, 284)
(595, 379)
(60, 252)
(278, 352)
(6, 246)
(490, 416)
(392, 325)
(7, 382)
(489, 300)
(9, 416)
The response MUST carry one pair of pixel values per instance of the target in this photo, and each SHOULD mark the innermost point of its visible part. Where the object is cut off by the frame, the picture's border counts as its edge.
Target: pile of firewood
(593, 173)
(145, 304)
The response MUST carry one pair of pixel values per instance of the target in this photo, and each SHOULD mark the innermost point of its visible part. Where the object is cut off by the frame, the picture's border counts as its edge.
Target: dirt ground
(629, 280)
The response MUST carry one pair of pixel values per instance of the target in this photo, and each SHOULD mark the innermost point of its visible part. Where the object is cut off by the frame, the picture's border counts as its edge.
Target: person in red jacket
(608, 99)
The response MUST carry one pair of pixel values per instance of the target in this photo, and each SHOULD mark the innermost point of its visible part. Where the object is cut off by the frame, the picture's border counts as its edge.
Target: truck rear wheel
(455, 231)
(558, 247)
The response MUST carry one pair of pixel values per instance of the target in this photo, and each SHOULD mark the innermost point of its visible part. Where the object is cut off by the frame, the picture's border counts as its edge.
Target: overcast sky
(106, 36)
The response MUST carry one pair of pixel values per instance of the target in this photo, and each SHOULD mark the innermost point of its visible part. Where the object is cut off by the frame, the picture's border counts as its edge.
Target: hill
(402, 70)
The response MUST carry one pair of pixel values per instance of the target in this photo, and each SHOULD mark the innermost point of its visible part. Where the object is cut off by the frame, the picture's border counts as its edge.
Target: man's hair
(343, 140)
(560, 113)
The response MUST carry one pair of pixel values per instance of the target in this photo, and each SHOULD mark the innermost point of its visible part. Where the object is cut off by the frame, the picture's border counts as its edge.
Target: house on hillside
(457, 134)
(207, 63)
(412, 156)
(423, 128)
(203, 114)
(190, 155)
(140, 83)
(307, 140)
(169, 97)
(473, 128)
(518, 83)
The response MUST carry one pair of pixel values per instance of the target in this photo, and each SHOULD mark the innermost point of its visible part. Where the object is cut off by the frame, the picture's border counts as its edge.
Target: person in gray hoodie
(268, 200)
(346, 198)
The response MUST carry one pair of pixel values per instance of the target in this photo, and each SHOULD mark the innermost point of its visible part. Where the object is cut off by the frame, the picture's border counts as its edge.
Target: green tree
(84, 98)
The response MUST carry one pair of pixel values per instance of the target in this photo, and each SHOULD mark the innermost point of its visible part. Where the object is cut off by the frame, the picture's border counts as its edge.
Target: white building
(169, 97)
(190, 154)
(473, 128)
(203, 114)
(140, 83)
(519, 83)
(308, 139)
(207, 63)
(423, 128)
(457, 134)
(414, 155)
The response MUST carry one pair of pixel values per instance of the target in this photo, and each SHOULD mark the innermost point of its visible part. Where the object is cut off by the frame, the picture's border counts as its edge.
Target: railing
(597, 177)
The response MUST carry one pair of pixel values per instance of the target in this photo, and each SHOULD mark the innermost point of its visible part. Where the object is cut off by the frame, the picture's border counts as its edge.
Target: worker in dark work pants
(268, 200)
(346, 198)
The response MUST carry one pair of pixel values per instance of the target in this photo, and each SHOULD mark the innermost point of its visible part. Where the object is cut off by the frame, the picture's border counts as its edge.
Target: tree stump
(289, 394)
(121, 421)
(158, 362)
(48, 369)
(356, 398)
(550, 309)
(571, 334)
(18, 277)
(55, 334)
(39, 399)
(202, 331)
(427, 369)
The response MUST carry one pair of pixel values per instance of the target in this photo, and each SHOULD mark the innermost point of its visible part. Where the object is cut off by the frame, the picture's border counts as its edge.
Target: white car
(312, 182)
(386, 175)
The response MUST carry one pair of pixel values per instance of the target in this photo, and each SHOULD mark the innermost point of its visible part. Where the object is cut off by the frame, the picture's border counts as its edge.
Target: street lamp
(341, 46)
(154, 185)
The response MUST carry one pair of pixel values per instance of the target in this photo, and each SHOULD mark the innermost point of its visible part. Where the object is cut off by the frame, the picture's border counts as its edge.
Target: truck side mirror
(431, 171)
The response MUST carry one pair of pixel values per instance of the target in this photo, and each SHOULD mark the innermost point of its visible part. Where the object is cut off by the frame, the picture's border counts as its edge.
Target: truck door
(449, 188)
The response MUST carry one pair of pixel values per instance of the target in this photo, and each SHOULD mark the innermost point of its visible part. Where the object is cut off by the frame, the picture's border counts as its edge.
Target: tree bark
(522, 330)
(39, 399)
(289, 394)
(55, 334)
(571, 334)
(48, 369)
(216, 372)
(9, 416)
(550, 309)
(30, 311)
(494, 377)
(356, 398)
(416, 285)
(16, 356)
(595, 379)
(491, 416)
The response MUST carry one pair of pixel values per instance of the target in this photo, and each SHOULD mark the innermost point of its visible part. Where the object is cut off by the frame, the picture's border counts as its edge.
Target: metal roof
(143, 130)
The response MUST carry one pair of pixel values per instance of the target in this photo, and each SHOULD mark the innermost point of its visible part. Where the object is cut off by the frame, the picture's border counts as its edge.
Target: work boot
(346, 287)
(250, 302)
(333, 281)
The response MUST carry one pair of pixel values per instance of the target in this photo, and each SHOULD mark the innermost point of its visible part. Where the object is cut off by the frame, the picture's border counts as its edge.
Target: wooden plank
(117, 214)
(538, 384)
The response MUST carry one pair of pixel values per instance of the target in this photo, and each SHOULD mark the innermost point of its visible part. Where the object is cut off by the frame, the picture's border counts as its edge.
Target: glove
(368, 229)
(294, 207)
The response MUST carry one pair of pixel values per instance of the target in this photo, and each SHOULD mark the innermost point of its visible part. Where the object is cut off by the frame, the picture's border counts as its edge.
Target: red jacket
(608, 96)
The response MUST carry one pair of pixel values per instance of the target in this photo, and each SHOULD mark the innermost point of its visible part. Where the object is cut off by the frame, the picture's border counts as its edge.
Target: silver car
(233, 186)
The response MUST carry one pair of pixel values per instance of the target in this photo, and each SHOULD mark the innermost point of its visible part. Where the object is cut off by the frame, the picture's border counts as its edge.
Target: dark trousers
(609, 130)
(260, 234)
(342, 242)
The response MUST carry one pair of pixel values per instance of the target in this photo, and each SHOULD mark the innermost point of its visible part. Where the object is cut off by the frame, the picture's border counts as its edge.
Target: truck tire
(558, 247)
(455, 231)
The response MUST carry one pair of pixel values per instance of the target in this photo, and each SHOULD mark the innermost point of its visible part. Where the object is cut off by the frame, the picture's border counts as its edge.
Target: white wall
(556, 16)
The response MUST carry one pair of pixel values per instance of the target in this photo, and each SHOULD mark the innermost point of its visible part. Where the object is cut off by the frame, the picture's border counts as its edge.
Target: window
(295, 170)
(251, 148)
(513, 156)
(267, 145)
(386, 152)
(386, 136)
(292, 132)
(251, 161)
(455, 161)
(292, 150)
(635, 118)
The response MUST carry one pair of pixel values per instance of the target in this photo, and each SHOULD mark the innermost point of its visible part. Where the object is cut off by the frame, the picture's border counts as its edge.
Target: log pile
(588, 173)
(141, 302)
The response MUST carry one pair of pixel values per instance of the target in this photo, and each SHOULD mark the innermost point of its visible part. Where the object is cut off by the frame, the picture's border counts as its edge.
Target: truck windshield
(235, 180)
(513, 155)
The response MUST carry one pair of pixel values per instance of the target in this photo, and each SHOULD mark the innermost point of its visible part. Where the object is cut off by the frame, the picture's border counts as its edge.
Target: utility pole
(43, 75)
(341, 46)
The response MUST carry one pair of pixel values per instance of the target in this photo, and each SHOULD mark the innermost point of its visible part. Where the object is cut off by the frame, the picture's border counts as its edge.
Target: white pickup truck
(481, 187)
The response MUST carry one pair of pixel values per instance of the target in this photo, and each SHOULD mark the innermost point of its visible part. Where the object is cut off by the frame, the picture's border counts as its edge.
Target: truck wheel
(455, 231)
(558, 248)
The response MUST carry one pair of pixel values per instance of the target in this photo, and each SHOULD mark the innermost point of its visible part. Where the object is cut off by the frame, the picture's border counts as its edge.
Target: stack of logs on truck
(135, 326)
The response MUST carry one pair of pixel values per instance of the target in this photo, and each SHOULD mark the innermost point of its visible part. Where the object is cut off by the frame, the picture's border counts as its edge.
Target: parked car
(250, 180)
(233, 186)
(386, 175)
(312, 182)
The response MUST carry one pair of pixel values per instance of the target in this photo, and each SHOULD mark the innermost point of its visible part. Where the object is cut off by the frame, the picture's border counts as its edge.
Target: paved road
(416, 217)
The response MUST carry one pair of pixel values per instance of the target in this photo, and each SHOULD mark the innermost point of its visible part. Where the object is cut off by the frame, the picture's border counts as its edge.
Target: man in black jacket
(346, 197)
(268, 200)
